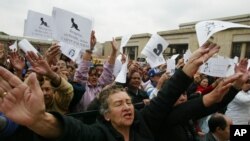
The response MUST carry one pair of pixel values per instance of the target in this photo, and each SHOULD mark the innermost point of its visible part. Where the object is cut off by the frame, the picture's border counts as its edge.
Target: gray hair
(105, 94)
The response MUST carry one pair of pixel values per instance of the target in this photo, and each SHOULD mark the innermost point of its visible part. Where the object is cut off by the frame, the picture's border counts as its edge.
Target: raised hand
(39, 65)
(23, 103)
(51, 54)
(220, 90)
(92, 40)
(112, 57)
(198, 57)
(242, 69)
(16, 61)
(114, 45)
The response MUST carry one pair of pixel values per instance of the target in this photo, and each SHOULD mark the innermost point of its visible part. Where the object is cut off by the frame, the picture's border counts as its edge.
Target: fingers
(9, 77)
(54, 49)
(232, 78)
(33, 83)
(4, 85)
(213, 49)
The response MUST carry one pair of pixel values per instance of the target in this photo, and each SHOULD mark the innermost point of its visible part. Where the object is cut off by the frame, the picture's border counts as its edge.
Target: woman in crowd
(135, 90)
(91, 78)
(23, 103)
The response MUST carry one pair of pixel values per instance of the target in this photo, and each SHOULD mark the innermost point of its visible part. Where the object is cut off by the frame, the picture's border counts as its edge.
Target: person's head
(116, 107)
(181, 99)
(61, 64)
(155, 74)
(134, 80)
(93, 76)
(246, 86)
(197, 78)
(134, 66)
(99, 68)
(204, 82)
(219, 125)
(145, 70)
(48, 92)
(71, 70)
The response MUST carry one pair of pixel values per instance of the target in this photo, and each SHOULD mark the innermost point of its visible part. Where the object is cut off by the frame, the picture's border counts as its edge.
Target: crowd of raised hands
(22, 96)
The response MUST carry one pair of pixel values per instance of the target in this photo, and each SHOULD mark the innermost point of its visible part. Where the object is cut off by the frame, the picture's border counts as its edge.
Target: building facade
(233, 42)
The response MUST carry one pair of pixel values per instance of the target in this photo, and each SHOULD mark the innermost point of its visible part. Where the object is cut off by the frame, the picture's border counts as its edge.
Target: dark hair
(129, 76)
(217, 120)
(104, 95)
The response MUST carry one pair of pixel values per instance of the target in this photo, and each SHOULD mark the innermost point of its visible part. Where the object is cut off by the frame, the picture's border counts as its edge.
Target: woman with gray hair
(23, 103)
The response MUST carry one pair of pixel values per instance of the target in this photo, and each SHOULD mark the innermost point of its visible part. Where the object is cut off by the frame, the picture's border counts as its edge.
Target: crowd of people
(40, 93)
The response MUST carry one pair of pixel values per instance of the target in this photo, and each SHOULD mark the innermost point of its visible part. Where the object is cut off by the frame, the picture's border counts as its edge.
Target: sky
(113, 18)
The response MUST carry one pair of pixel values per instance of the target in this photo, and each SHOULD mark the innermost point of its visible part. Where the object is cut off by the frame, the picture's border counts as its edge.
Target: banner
(71, 28)
(38, 25)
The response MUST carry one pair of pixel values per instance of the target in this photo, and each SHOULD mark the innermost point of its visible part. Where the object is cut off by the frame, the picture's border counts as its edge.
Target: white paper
(70, 51)
(205, 29)
(118, 65)
(236, 60)
(26, 46)
(216, 67)
(124, 41)
(121, 77)
(13, 47)
(231, 67)
(38, 25)
(187, 55)
(155, 46)
(171, 66)
(174, 56)
(72, 29)
(155, 61)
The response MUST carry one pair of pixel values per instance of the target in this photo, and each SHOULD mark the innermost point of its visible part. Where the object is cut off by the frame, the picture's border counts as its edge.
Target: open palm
(23, 103)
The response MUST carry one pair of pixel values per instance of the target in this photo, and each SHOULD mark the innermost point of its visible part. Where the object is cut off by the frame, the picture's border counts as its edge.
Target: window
(175, 49)
(236, 50)
(132, 52)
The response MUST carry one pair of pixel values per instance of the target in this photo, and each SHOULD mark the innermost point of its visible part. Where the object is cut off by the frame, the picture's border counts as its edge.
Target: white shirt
(239, 108)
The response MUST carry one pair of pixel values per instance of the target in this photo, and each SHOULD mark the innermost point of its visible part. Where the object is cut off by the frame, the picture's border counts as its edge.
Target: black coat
(209, 137)
(146, 124)
(178, 120)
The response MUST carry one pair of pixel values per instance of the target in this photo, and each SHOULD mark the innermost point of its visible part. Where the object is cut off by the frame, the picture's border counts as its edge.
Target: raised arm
(17, 62)
(223, 94)
(24, 104)
(161, 105)
(108, 68)
(41, 67)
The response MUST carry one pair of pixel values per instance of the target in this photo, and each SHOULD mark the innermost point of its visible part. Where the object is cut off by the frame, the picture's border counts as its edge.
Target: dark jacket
(209, 137)
(178, 120)
(147, 121)
(137, 97)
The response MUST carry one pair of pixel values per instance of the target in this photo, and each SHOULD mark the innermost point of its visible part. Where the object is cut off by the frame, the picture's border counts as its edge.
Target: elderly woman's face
(121, 110)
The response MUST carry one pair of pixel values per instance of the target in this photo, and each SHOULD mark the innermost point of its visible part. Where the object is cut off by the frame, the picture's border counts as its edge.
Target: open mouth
(128, 115)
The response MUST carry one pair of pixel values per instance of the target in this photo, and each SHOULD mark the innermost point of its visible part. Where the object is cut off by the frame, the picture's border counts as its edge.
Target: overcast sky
(119, 17)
